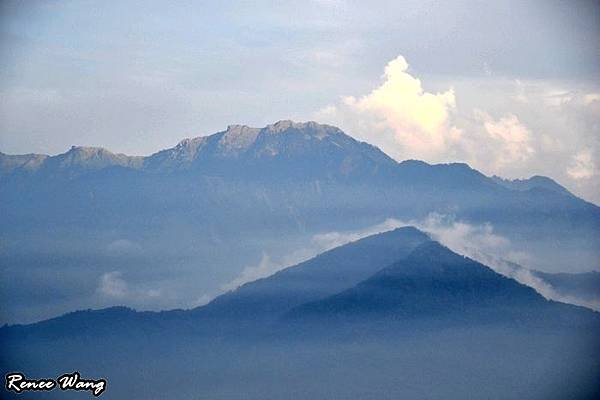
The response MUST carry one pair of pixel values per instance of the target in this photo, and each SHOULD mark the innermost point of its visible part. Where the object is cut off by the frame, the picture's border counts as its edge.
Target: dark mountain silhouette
(326, 274)
(359, 307)
(436, 284)
(256, 302)
(400, 274)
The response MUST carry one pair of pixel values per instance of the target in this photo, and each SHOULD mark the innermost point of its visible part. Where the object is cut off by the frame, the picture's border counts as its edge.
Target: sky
(510, 87)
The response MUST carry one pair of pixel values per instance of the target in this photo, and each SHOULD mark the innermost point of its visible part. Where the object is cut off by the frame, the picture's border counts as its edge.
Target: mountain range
(186, 220)
(397, 306)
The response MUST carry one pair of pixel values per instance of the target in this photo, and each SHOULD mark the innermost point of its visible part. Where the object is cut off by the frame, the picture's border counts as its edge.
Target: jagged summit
(94, 158)
(534, 182)
(27, 162)
(238, 138)
(285, 148)
(86, 152)
(310, 127)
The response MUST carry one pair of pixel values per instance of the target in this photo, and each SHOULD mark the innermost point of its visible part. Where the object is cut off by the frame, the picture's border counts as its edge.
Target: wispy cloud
(582, 165)
(319, 243)
(483, 244)
(112, 285)
(478, 242)
(113, 288)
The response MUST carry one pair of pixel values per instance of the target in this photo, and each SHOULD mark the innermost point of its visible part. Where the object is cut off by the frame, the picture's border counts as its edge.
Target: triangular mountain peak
(432, 281)
(326, 274)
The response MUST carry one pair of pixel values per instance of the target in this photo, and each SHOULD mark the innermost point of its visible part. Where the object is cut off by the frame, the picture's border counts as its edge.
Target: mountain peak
(282, 125)
(88, 151)
(326, 274)
(432, 280)
(238, 138)
(534, 182)
(95, 158)
(312, 128)
(27, 162)
(189, 146)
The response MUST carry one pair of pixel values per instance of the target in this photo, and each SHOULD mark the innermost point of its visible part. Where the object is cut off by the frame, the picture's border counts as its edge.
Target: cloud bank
(533, 128)
(417, 120)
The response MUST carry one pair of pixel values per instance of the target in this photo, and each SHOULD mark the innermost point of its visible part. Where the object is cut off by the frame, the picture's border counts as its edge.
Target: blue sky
(512, 87)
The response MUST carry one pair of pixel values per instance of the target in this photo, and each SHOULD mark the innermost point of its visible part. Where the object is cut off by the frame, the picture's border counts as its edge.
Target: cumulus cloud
(404, 113)
(409, 122)
(511, 128)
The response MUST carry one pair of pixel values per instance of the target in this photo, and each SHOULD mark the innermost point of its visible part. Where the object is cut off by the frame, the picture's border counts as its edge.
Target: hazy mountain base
(389, 361)
(432, 325)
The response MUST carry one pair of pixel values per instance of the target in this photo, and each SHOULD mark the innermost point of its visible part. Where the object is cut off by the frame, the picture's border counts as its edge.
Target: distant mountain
(24, 162)
(324, 275)
(401, 274)
(255, 302)
(436, 284)
(209, 207)
(285, 150)
(285, 144)
(345, 323)
(539, 182)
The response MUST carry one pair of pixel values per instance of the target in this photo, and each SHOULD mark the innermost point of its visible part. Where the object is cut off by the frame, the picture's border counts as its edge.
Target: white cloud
(481, 243)
(509, 137)
(112, 285)
(582, 165)
(330, 240)
(319, 243)
(508, 127)
(401, 112)
(202, 300)
(591, 98)
(264, 268)
(478, 242)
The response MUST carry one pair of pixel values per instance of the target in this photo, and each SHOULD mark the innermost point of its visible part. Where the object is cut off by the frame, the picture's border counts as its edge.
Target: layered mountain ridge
(395, 306)
(210, 207)
(283, 138)
(400, 274)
